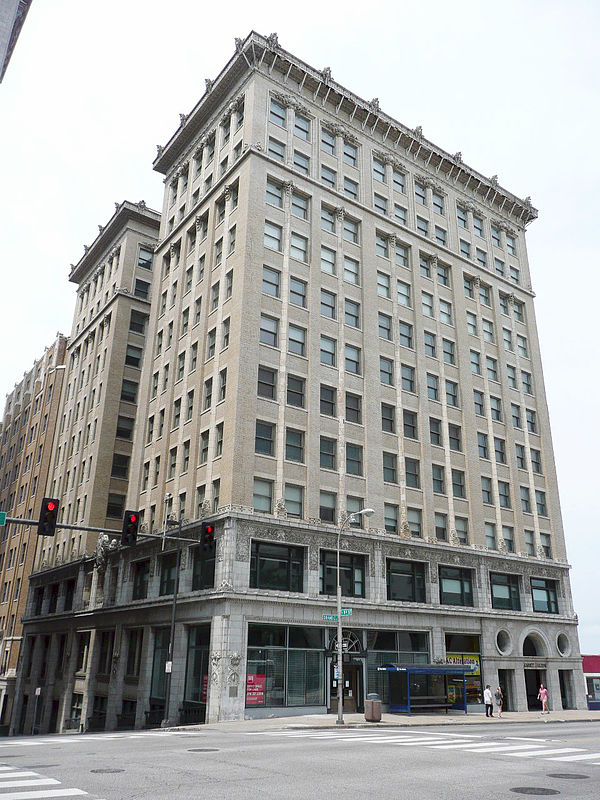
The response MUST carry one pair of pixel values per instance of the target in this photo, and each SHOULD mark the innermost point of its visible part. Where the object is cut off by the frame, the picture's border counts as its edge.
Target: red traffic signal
(48, 517)
(207, 537)
(131, 522)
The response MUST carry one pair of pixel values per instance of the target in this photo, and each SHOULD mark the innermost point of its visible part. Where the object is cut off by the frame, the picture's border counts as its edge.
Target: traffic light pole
(109, 531)
(169, 665)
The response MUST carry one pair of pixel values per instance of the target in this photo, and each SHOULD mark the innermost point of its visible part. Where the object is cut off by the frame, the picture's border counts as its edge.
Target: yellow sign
(465, 658)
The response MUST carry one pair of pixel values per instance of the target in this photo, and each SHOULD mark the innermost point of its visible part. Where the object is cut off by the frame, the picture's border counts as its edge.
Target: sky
(92, 88)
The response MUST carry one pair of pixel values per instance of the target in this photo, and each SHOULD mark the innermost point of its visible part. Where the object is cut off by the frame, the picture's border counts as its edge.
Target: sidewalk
(309, 721)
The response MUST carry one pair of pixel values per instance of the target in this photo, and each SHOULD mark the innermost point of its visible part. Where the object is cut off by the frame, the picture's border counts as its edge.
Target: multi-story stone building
(26, 436)
(343, 318)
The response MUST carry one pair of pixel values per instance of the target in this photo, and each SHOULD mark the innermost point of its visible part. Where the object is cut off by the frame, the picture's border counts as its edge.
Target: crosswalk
(30, 785)
(75, 739)
(512, 747)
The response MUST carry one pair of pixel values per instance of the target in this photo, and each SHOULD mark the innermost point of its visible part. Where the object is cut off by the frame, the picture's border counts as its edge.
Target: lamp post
(344, 521)
(169, 665)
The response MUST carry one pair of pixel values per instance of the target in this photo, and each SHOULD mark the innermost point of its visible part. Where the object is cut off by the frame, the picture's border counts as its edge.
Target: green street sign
(2, 518)
(330, 617)
(346, 612)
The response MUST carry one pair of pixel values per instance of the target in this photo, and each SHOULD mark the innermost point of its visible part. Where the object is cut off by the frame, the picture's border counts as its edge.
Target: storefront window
(196, 676)
(285, 666)
(464, 649)
(393, 647)
(352, 574)
(158, 687)
(593, 688)
(276, 566)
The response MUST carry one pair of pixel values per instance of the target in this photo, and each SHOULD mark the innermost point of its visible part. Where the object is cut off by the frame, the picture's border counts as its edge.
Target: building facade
(342, 318)
(26, 438)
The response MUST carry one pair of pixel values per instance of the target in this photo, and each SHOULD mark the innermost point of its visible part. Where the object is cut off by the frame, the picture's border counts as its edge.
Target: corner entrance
(353, 689)
(533, 679)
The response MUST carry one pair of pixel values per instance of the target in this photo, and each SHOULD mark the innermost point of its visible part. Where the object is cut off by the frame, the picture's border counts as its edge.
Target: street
(491, 760)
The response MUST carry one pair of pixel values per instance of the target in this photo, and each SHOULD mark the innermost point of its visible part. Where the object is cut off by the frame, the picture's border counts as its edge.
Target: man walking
(489, 701)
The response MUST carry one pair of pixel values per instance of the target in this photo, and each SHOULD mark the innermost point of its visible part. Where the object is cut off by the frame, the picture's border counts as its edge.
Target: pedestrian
(489, 702)
(543, 697)
(499, 701)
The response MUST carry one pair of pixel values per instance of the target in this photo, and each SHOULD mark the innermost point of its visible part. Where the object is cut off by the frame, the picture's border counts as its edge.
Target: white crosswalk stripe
(12, 777)
(44, 794)
(509, 746)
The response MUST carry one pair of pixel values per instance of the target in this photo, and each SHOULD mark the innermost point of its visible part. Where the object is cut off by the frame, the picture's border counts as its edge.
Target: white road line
(499, 748)
(420, 742)
(44, 794)
(583, 757)
(6, 775)
(36, 782)
(547, 752)
(526, 739)
(454, 745)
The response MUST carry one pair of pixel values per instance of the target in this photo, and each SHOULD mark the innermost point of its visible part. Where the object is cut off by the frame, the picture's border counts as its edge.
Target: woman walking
(543, 697)
(499, 701)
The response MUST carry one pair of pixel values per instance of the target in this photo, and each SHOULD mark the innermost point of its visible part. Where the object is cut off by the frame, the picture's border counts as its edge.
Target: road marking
(416, 742)
(547, 752)
(7, 775)
(527, 739)
(499, 748)
(35, 782)
(575, 758)
(453, 745)
(44, 794)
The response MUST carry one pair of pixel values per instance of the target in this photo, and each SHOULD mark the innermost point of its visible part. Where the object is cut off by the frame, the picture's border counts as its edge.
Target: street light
(344, 521)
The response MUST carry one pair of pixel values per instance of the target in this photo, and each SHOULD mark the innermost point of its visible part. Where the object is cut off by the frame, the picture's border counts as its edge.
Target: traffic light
(48, 516)
(208, 537)
(131, 523)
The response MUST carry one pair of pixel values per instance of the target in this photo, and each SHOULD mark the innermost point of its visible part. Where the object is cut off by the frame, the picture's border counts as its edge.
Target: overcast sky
(92, 88)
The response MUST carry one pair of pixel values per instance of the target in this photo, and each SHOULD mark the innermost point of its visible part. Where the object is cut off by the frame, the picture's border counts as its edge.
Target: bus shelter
(426, 686)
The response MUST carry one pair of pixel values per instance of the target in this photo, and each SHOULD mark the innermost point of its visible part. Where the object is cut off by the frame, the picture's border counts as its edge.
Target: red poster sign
(204, 688)
(255, 690)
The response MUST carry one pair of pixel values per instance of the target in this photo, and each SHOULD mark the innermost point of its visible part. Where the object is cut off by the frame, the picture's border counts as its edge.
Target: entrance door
(352, 688)
(566, 693)
(505, 681)
(53, 726)
(533, 679)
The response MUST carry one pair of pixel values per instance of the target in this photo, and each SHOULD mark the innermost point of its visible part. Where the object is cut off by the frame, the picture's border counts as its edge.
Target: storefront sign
(255, 689)
(534, 665)
(465, 658)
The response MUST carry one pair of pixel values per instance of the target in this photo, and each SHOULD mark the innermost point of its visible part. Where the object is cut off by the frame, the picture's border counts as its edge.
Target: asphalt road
(490, 761)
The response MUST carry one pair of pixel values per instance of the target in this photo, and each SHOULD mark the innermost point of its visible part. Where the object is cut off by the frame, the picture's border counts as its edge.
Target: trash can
(373, 708)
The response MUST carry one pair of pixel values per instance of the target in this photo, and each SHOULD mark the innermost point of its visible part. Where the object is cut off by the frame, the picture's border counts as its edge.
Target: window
(536, 461)
(435, 431)
(455, 437)
(327, 141)
(458, 483)
(504, 494)
(540, 501)
(526, 382)
(486, 490)
(327, 351)
(525, 499)
(462, 529)
(390, 467)
(407, 376)
(327, 506)
(456, 586)
(495, 236)
(438, 203)
(264, 439)
(380, 204)
(400, 214)
(351, 228)
(328, 176)
(405, 581)
(492, 368)
(263, 495)
(295, 391)
(522, 346)
(276, 566)
(477, 225)
(441, 527)
(481, 257)
(499, 266)
(383, 285)
(505, 591)
(277, 113)
(328, 400)
(124, 427)
(115, 505)
(297, 292)
(297, 340)
(353, 408)
(409, 423)
(490, 535)
(404, 294)
(351, 188)
(390, 517)
(302, 127)
(352, 359)
(465, 249)
(475, 362)
(273, 236)
(328, 260)
(433, 389)
(520, 454)
(411, 468)
(386, 370)
(270, 282)
(529, 545)
(352, 313)
(519, 311)
(427, 304)
(328, 303)
(544, 595)
(354, 459)
(449, 350)
(452, 393)
(141, 289)
(301, 162)
(351, 270)
(293, 499)
(129, 391)
(120, 467)
(413, 517)
(531, 420)
(352, 574)
(439, 479)
(299, 247)
(378, 170)
(388, 418)
(327, 219)
(422, 226)
(472, 324)
(327, 452)
(267, 380)
(385, 326)
(511, 244)
(350, 154)
(294, 445)
(420, 193)
(546, 544)
(268, 330)
(496, 408)
(274, 194)
(462, 217)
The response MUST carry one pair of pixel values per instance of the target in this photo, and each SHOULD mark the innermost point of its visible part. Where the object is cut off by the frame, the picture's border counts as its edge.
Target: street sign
(346, 612)
(2, 518)
(38, 691)
(168, 666)
(330, 617)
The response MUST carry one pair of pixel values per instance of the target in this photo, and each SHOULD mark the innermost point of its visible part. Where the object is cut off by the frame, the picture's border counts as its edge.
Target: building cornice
(265, 55)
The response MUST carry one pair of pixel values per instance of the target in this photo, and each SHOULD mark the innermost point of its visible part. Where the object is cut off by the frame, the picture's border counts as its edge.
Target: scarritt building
(341, 317)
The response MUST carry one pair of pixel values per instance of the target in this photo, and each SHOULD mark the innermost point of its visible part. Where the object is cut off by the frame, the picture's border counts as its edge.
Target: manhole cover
(106, 771)
(574, 775)
(204, 750)
(534, 790)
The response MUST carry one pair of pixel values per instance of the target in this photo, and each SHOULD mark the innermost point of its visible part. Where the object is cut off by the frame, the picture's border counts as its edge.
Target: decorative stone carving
(159, 150)
(141, 204)
(374, 105)
(85, 248)
(314, 521)
(239, 43)
(208, 84)
(280, 509)
(494, 180)
(527, 202)
(405, 529)
(103, 547)
(418, 132)
(340, 213)
(215, 668)
(288, 187)
(272, 41)
(225, 586)
(458, 157)
(454, 540)
(183, 118)
(100, 228)
(242, 547)
(326, 74)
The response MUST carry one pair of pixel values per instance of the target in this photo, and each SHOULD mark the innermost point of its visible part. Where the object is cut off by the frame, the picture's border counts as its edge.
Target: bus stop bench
(431, 702)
